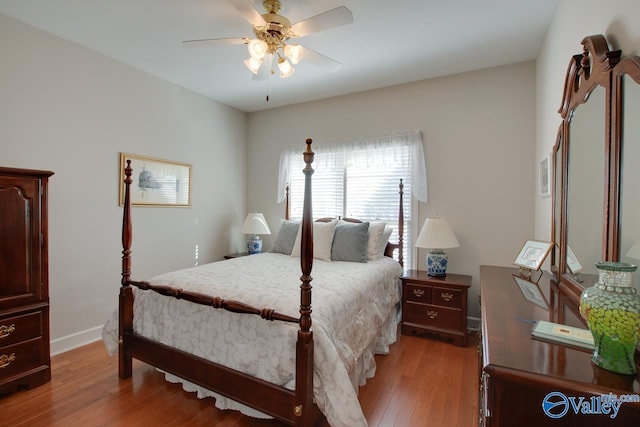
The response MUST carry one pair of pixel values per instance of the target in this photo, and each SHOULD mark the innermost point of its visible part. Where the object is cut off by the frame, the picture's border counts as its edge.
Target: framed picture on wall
(544, 174)
(156, 182)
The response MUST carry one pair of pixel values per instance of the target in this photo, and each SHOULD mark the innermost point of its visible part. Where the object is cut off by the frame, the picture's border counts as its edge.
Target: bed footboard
(292, 407)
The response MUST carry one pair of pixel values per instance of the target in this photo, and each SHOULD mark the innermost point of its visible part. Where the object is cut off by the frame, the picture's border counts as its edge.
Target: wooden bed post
(303, 404)
(286, 204)
(401, 224)
(125, 311)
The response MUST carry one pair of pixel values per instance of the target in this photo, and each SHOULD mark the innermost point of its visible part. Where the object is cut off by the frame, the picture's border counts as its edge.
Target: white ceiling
(388, 43)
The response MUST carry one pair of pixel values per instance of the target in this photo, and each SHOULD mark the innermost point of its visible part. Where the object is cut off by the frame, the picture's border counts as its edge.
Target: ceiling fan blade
(320, 60)
(329, 19)
(215, 42)
(248, 12)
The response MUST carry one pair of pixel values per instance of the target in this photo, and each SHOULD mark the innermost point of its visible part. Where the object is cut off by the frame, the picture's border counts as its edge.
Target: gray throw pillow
(286, 237)
(350, 242)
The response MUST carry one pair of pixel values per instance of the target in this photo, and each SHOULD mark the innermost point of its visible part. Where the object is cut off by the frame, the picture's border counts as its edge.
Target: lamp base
(437, 263)
(254, 245)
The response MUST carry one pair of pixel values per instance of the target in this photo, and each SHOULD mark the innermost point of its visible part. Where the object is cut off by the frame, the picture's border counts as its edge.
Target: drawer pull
(5, 360)
(418, 292)
(432, 314)
(446, 296)
(5, 330)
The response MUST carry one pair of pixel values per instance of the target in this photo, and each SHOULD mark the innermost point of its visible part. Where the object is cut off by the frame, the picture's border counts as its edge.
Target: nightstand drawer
(430, 315)
(421, 294)
(447, 297)
(19, 328)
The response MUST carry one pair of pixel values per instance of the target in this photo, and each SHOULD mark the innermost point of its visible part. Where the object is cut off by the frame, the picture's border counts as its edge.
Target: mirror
(585, 185)
(556, 183)
(596, 207)
(629, 172)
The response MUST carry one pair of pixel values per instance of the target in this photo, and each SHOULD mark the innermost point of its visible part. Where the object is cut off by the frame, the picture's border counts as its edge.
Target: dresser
(24, 279)
(518, 373)
(435, 305)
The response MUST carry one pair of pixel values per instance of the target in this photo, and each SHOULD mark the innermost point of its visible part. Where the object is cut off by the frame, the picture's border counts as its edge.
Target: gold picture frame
(156, 182)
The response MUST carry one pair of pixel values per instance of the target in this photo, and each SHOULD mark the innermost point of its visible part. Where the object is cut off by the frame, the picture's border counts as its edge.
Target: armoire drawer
(20, 327)
(21, 357)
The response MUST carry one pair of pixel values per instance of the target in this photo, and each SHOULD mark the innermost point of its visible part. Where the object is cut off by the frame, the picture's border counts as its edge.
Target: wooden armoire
(24, 279)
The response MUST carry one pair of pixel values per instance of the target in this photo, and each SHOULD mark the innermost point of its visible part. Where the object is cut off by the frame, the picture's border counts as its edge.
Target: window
(360, 179)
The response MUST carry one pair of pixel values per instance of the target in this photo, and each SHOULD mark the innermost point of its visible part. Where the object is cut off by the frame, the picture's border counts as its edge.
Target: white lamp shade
(436, 234)
(255, 224)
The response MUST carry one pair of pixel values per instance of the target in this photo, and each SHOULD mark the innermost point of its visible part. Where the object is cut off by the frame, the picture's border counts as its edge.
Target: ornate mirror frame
(597, 66)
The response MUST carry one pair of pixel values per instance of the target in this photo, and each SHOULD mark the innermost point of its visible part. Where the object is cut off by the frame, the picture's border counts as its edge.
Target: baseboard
(64, 344)
(473, 323)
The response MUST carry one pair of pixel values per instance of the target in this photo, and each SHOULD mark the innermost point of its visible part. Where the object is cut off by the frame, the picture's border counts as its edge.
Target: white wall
(67, 109)
(479, 137)
(574, 20)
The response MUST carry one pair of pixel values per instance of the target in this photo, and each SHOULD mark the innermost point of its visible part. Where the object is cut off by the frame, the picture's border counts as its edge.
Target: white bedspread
(354, 316)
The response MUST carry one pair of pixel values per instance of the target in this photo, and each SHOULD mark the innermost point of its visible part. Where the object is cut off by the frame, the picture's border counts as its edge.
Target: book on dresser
(563, 334)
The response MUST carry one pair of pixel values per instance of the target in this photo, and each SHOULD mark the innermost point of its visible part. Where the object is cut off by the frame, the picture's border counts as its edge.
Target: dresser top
(508, 316)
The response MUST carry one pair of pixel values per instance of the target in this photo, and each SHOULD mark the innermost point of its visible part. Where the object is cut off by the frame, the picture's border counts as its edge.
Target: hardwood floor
(422, 382)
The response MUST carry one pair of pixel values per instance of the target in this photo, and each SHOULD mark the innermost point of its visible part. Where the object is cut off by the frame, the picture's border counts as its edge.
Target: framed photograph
(545, 177)
(156, 182)
(531, 292)
(532, 254)
(572, 261)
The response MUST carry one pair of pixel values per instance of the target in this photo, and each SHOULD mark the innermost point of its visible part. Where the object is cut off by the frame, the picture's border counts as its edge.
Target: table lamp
(254, 225)
(436, 235)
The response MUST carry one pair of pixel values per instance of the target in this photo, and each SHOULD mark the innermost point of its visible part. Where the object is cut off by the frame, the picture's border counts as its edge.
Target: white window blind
(358, 180)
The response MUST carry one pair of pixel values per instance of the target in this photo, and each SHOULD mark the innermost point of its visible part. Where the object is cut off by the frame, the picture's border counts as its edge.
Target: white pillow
(384, 240)
(322, 240)
(375, 237)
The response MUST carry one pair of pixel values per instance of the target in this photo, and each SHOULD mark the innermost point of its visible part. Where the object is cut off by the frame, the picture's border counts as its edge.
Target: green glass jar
(611, 308)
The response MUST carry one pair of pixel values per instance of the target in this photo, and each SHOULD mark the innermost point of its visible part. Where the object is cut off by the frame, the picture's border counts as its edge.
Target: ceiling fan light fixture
(294, 52)
(257, 48)
(286, 70)
(253, 64)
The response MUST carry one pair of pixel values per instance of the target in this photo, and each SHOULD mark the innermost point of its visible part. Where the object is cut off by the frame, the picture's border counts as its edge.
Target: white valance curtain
(371, 152)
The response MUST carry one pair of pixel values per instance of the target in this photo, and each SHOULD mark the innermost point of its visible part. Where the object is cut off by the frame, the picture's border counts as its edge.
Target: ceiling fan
(272, 32)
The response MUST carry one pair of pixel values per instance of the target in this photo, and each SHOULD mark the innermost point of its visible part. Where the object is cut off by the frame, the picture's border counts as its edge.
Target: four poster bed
(249, 364)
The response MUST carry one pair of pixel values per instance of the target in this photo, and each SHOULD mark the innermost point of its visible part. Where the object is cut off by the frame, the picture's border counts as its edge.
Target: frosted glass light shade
(257, 48)
(286, 70)
(294, 52)
(253, 64)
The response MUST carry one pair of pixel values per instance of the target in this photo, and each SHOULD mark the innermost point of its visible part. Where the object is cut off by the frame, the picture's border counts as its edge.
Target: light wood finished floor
(422, 382)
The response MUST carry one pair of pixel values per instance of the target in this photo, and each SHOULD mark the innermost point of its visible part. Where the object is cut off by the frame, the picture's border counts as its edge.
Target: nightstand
(232, 256)
(435, 305)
